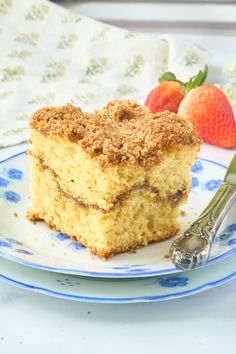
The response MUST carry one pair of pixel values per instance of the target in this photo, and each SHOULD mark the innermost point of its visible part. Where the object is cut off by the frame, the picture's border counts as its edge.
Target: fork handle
(192, 249)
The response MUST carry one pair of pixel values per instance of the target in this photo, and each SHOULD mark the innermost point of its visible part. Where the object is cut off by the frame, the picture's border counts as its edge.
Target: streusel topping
(122, 131)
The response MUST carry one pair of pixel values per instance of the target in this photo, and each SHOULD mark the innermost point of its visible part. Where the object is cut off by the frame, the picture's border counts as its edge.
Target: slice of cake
(113, 179)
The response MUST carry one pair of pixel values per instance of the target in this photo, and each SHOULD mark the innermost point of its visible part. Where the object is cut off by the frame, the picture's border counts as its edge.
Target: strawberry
(170, 92)
(208, 108)
(165, 97)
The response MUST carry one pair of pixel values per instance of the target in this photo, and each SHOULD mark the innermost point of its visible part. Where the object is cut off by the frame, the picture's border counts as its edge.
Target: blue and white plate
(35, 245)
(72, 287)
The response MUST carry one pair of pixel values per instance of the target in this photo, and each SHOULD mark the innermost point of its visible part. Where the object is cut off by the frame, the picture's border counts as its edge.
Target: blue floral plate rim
(138, 274)
(213, 279)
(111, 275)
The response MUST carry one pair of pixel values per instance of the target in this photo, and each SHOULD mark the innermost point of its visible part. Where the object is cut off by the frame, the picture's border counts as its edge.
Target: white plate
(72, 287)
(35, 245)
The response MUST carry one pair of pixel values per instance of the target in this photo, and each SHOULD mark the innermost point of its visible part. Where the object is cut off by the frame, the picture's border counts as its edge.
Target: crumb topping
(122, 131)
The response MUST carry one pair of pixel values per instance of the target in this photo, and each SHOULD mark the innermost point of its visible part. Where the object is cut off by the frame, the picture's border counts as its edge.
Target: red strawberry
(170, 92)
(165, 97)
(210, 111)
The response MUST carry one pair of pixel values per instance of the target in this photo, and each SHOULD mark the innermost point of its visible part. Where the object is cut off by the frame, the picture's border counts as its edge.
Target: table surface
(201, 324)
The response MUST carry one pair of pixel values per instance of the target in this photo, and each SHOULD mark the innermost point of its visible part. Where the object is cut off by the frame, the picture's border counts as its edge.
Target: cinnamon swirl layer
(127, 194)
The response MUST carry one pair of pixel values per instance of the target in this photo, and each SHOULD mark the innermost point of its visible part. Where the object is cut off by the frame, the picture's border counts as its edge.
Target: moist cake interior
(113, 179)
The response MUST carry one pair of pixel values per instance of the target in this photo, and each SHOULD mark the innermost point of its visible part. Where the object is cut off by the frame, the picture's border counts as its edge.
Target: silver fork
(192, 249)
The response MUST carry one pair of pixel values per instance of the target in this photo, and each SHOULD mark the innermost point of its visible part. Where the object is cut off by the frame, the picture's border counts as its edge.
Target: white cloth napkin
(50, 56)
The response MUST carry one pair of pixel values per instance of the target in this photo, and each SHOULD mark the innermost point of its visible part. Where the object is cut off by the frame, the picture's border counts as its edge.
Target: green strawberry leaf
(197, 80)
(167, 76)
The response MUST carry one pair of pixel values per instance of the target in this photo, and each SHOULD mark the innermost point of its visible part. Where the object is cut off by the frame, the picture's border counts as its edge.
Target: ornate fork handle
(192, 249)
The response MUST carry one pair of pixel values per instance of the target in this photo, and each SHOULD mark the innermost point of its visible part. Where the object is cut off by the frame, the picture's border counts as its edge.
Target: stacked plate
(36, 258)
